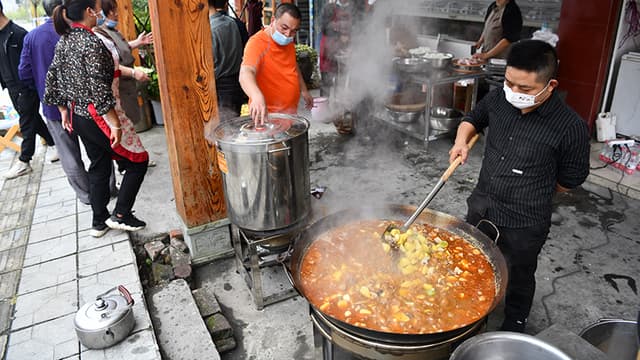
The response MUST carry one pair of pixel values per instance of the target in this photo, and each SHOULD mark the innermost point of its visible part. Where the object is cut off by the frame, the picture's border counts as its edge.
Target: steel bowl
(614, 337)
(439, 60)
(445, 119)
(412, 65)
(504, 345)
(405, 117)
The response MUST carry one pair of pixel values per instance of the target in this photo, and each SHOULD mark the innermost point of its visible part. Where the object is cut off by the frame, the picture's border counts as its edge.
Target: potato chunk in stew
(435, 281)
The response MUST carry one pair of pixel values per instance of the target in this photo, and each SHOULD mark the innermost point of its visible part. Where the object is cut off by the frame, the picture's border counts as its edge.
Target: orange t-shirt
(276, 72)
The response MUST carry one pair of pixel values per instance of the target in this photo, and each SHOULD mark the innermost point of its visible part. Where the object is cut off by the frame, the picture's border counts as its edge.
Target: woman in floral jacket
(79, 82)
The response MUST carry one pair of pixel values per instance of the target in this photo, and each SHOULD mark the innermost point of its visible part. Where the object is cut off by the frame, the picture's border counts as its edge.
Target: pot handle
(283, 148)
(492, 225)
(323, 331)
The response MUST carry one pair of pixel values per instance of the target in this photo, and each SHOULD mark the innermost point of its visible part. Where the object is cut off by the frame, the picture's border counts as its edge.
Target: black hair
(1, 9)
(109, 6)
(72, 10)
(218, 4)
(288, 8)
(50, 5)
(534, 56)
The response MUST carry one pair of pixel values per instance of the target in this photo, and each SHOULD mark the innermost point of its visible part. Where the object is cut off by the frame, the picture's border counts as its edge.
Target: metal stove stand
(252, 257)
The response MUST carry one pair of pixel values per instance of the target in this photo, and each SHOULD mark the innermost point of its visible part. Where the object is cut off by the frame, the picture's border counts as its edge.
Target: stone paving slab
(54, 171)
(51, 229)
(85, 221)
(88, 242)
(50, 249)
(49, 186)
(54, 197)
(5, 315)
(174, 302)
(9, 284)
(46, 304)
(54, 339)
(137, 346)
(10, 219)
(54, 211)
(13, 238)
(47, 274)
(105, 258)
(11, 259)
(3, 343)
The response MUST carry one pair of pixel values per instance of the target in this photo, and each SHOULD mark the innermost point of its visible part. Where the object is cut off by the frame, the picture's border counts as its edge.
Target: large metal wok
(397, 212)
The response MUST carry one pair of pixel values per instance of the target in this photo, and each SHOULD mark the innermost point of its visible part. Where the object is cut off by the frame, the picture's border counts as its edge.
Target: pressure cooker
(107, 321)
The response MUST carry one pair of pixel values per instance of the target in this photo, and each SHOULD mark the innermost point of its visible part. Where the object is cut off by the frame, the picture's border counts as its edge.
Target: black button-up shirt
(525, 156)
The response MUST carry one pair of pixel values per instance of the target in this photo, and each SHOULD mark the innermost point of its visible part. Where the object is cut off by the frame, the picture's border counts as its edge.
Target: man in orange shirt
(269, 74)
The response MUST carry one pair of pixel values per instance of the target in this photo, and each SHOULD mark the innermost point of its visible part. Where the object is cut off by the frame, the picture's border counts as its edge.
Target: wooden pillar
(184, 61)
(126, 24)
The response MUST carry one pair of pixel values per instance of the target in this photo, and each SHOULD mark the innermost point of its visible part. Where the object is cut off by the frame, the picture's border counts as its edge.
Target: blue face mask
(100, 18)
(280, 39)
(111, 24)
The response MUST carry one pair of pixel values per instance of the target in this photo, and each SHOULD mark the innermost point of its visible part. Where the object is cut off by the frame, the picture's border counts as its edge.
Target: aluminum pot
(265, 171)
(107, 321)
(503, 345)
(395, 212)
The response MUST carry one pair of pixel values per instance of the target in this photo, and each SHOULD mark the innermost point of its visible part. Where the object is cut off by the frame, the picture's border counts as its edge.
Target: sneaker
(18, 169)
(52, 154)
(99, 230)
(126, 222)
(513, 325)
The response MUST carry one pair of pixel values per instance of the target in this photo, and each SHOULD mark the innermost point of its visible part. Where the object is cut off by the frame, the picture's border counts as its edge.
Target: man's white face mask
(520, 100)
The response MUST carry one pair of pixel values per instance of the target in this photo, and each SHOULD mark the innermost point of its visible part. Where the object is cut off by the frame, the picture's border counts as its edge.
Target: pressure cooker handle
(123, 291)
(492, 225)
(127, 295)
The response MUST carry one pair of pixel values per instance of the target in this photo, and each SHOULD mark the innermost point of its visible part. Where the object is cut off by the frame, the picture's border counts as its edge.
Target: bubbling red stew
(434, 281)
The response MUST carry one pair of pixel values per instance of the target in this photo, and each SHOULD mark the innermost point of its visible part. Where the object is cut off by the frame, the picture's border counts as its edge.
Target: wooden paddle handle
(458, 160)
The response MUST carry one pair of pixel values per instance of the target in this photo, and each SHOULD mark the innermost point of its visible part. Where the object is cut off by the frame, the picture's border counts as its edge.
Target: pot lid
(102, 313)
(278, 127)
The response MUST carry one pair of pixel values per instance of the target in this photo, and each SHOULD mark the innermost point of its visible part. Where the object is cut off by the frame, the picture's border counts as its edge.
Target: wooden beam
(126, 24)
(184, 61)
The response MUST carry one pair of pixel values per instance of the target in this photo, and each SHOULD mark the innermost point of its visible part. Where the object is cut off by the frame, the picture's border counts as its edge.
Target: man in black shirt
(25, 100)
(536, 146)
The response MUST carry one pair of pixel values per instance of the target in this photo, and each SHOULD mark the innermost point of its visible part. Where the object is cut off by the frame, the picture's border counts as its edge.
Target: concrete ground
(592, 246)
(593, 242)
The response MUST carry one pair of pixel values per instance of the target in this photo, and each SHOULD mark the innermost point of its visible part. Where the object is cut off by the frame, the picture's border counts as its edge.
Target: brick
(179, 245)
(206, 302)
(224, 345)
(153, 249)
(218, 327)
(176, 233)
(179, 258)
(182, 271)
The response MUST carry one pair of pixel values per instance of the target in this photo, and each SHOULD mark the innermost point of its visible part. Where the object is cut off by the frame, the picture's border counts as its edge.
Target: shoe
(18, 169)
(513, 325)
(52, 154)
(151, 163)
(126, 222)
(99, 230)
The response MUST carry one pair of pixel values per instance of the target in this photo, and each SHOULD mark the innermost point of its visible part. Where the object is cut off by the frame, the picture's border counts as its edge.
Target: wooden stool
(5, 141)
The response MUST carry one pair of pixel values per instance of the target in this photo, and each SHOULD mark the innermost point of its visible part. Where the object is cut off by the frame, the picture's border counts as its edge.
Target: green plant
(307, 59)
(306, 51)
